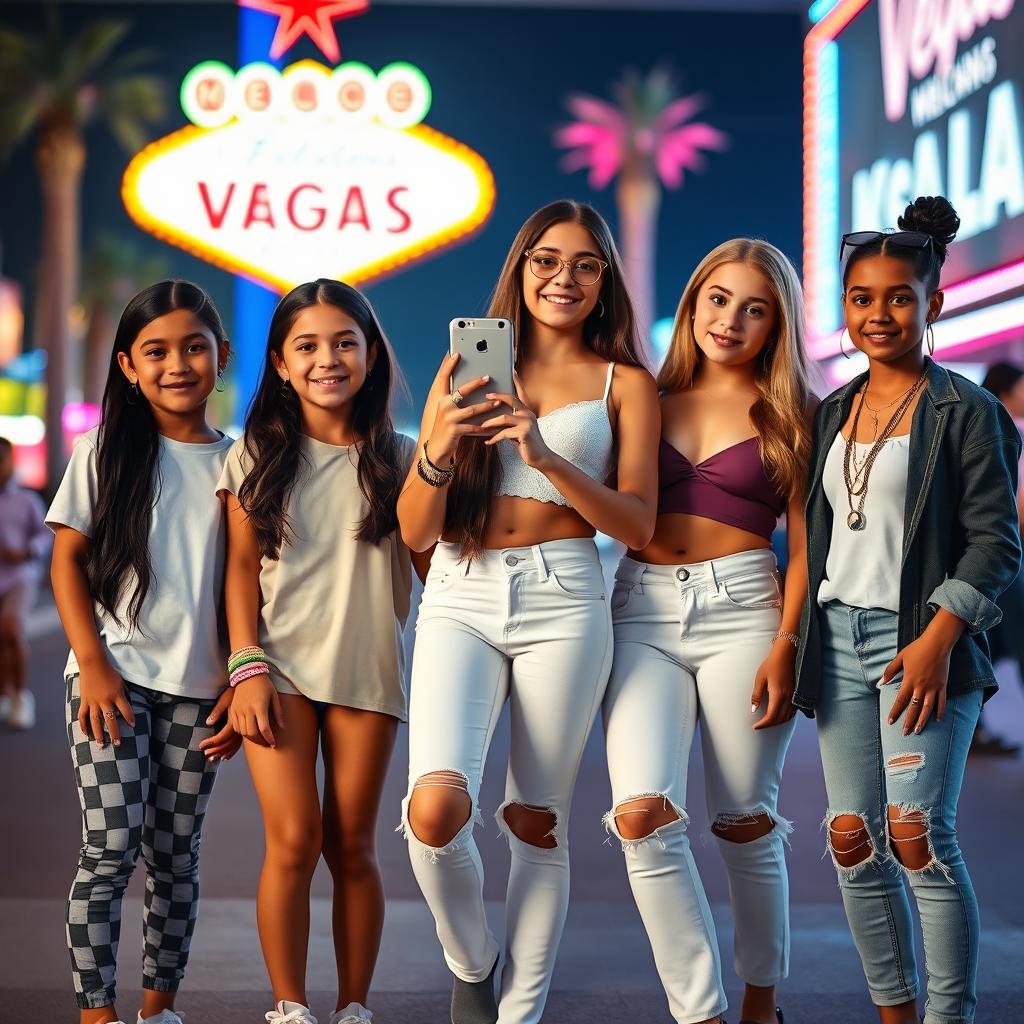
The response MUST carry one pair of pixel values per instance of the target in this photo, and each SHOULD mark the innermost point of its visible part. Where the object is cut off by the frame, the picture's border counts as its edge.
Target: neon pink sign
(918, 35)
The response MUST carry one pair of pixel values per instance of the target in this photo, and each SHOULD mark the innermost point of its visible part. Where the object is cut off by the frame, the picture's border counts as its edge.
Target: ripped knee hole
(533, 825)
(643, 816)
(849, 840)
(742, 828)
(909, 837)
(439, 807)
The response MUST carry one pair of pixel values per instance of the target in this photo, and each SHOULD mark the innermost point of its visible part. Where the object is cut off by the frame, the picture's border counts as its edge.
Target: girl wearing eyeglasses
(912, 536)
(514, 608)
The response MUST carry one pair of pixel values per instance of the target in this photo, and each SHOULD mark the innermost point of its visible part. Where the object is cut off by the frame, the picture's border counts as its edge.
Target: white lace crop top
(580, 432)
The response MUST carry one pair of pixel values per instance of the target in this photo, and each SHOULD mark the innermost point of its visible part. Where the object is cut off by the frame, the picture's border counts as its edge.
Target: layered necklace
(857, 474)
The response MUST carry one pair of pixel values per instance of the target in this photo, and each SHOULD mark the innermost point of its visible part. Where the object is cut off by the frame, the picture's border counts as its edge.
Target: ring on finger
(109, 714)
(457, 397)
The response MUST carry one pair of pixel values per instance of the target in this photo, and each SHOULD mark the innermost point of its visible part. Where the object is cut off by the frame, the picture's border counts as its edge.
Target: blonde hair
(782, 372)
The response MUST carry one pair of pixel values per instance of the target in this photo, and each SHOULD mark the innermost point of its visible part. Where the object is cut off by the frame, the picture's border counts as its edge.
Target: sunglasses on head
(908, 239)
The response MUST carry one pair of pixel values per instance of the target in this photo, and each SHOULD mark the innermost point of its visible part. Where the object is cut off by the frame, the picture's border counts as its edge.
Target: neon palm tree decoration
(648, 140)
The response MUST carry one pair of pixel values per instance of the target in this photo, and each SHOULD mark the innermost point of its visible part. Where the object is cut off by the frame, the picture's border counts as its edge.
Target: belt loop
(539, 561)
(639, 581)
(714, 575)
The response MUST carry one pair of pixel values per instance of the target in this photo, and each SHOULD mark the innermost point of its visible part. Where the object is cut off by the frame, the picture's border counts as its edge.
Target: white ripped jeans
(530, 626)
(688, 642)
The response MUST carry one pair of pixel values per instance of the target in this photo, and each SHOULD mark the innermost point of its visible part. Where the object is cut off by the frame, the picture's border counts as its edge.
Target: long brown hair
(782, 373)
(610, 330)
(273, 426)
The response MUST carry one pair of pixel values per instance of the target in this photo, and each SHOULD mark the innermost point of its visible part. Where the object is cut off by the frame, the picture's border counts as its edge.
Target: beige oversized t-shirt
(333, 607)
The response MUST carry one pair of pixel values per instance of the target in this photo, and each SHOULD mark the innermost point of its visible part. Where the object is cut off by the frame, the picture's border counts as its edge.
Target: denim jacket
(961, 542)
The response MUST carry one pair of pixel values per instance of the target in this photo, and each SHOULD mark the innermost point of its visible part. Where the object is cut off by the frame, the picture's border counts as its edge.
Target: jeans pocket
(756, 590)
(582, 582)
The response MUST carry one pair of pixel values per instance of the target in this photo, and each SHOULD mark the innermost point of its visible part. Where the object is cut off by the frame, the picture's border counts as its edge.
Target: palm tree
(54, 87)
(114, 269)
(649, 141)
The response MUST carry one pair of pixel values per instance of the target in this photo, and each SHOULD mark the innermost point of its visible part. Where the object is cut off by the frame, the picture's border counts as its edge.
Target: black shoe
(473, 1002)
(988, 744)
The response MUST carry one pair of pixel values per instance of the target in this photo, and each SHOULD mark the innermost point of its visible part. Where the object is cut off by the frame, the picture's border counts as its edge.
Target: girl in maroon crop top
(704, 634)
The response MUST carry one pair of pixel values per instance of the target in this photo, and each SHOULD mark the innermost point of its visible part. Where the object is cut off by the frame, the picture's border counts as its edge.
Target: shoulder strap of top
(608, 382)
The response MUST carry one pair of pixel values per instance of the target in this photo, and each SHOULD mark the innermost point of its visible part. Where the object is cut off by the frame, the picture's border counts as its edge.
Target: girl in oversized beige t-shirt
(317, 587)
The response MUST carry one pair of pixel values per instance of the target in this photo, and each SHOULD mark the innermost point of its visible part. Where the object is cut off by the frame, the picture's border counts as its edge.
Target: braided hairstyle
(931, 215)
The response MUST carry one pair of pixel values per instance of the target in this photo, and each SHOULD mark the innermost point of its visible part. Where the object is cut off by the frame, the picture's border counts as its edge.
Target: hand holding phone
(486, 348)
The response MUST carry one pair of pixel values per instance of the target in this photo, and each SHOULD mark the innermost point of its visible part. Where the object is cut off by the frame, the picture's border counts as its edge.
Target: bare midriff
(521, 522)
(681, 539)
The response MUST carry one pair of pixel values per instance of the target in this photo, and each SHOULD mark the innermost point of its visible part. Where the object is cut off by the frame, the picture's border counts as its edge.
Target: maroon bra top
(730, 487)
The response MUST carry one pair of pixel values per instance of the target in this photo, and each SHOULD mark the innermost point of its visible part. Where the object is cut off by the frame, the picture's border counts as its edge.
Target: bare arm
(628, 512)
(101, 689)
(776, 676)
(255, 698)
(421, 507)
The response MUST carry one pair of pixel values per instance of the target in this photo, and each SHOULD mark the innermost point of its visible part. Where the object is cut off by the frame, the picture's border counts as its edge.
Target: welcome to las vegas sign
(284, 177)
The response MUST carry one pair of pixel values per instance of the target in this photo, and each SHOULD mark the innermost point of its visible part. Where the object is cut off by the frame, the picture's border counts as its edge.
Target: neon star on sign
(313, 18)
(284, 177)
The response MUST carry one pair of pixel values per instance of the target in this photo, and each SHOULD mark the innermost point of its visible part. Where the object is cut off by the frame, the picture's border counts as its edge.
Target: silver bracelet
(785, 634)
(433, 476)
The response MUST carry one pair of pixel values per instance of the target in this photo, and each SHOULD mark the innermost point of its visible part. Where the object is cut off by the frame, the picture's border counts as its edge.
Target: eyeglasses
(908, 239)
(584, 270)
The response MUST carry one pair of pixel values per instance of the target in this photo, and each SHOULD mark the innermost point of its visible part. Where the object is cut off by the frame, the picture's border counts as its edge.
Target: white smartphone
(486, 347)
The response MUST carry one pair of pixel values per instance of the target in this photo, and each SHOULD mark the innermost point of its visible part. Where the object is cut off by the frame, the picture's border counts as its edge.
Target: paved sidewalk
(604, 974)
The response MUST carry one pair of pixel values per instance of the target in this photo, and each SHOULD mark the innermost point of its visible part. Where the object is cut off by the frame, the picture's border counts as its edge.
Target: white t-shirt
(180, 644)
(863, 566)
(332, 608)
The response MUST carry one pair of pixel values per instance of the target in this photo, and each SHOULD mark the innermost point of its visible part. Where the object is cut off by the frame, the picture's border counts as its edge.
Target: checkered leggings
(147, 796)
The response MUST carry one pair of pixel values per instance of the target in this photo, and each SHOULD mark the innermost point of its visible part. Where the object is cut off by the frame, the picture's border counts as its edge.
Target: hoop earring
(285, 385)
(846, 355)
(133, 393)
(931, 338)
(600, 313)
(219, 386)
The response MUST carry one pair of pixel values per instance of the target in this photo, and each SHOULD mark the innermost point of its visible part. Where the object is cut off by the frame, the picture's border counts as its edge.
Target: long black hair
(127, 455)
(931, 215)
(273, 425)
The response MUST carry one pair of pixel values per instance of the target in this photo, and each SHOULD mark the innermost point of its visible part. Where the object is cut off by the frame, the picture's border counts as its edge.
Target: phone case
(486, 347)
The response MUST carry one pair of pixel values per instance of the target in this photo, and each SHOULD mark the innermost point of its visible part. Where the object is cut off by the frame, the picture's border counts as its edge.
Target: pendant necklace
(856, 477)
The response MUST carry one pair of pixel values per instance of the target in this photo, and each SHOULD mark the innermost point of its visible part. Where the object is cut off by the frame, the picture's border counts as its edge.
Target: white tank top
(580, 432)
(863, 566)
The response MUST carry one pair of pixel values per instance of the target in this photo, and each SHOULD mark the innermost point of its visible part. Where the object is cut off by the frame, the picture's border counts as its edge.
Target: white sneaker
(5, 709)
(23, 710)
(354, 1013)
(163, 1017)
(288, 1012)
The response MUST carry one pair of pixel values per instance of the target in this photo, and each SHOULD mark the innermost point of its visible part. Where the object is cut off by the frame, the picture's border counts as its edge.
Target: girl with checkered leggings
(137, 577)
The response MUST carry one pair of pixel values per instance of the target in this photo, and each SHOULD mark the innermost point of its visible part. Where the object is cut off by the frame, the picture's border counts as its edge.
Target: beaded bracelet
(245, 659)
(243, 654)
(431, 474)
(450, 468)
(257, 668)
(785, 634)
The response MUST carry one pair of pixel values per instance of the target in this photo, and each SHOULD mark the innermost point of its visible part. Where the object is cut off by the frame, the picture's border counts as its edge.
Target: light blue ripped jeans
(870, 766)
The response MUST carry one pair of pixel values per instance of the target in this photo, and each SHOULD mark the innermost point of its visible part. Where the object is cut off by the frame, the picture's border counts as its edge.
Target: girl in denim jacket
(912, 535)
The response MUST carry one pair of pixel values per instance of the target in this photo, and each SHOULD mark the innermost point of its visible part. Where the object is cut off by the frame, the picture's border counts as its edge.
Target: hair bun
(935, 216)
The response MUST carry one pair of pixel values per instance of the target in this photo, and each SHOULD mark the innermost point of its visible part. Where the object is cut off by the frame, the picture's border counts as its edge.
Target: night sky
(499, 78)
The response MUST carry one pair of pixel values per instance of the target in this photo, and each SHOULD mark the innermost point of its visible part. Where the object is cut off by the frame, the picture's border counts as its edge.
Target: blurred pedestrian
(24, 541)
(1006, 382)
